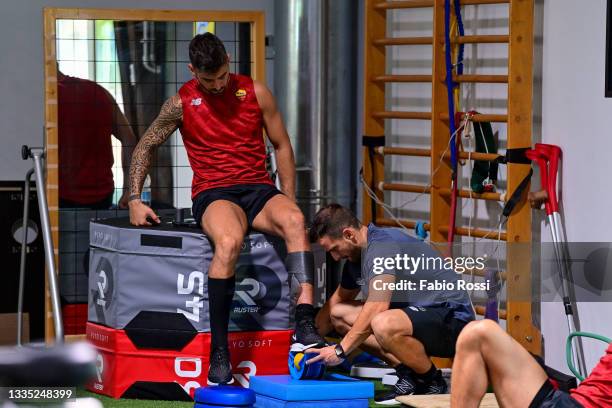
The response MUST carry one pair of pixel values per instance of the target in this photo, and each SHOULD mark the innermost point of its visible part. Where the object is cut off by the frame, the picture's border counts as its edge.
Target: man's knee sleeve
(300, 266)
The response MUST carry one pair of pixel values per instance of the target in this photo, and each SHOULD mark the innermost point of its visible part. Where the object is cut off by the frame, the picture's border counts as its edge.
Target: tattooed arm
(168, 120)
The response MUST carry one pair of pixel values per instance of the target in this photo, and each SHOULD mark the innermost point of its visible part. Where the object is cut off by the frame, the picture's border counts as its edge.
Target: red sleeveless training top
(85, 124)
(223, 135)
(596, 389)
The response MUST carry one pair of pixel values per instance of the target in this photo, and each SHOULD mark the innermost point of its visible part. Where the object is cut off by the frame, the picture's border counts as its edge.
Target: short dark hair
(207, 53)
(331, 220)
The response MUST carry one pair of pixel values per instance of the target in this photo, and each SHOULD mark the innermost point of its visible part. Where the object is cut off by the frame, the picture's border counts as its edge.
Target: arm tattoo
(168, 120)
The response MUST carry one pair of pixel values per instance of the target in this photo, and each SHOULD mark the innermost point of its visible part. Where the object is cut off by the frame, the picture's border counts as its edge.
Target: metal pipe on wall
(314, 82)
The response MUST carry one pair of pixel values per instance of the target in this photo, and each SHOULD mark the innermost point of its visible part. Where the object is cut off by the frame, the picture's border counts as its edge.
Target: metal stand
(37, 154)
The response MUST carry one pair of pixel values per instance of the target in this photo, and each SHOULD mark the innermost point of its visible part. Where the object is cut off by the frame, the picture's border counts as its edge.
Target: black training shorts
(435, 327)
(250, 197)
(548, 397)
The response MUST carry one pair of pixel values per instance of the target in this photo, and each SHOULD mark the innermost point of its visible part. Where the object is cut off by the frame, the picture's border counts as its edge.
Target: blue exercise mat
(224, 395)
(331, 387)
(269, 402)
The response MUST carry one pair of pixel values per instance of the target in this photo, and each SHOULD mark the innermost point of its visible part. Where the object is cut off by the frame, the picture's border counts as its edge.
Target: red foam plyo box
(121, 364)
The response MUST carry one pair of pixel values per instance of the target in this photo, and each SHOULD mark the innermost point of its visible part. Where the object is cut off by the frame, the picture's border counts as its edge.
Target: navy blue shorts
(548, 397)
(250, 197)
(435, 327)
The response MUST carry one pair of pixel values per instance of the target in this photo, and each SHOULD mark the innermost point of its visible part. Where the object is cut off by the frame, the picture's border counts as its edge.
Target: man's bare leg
(281, 217)
(343, 316)
(485, 351)
(393, 330)
(227, 237)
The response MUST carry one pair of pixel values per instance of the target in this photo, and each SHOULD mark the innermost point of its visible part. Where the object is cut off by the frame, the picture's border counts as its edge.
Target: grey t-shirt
(392, 243)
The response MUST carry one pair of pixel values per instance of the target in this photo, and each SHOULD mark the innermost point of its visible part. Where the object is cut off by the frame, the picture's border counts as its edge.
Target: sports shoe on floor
(405, 385)
(437, 385)
(220, 369)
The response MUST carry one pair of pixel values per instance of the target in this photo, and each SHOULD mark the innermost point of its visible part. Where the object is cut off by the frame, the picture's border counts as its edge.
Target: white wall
(577, 117)
(21, 65)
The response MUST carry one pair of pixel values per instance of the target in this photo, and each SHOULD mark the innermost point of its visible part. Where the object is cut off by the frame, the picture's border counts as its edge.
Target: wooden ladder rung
(388, 222)
(401, 115)
(403, 41)
(482, 39)
(476, 232)
(392, 5)
(405, 151)
(477, 2)
(475, 156)
(482, 273)
(402, 78)
(491, 79)
(446, 192)
(480, 117)
(406, 188)
(409, 151)
(503, 313)
(408, 4)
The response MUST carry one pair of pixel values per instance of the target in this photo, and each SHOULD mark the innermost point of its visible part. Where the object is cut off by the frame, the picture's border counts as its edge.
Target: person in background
(88, 118)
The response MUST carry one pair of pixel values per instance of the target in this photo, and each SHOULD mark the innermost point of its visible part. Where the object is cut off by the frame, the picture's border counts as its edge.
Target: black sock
(427, 376)
(403, 370)
(304, 310)
(220, 295)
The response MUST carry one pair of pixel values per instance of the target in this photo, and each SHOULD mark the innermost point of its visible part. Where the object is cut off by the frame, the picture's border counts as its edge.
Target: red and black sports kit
(223, 136)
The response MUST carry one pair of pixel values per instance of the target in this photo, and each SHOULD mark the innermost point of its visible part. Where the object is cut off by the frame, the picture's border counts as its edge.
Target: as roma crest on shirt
(241, 94)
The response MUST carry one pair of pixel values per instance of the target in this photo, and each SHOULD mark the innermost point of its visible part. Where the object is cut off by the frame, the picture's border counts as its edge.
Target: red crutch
(547, 157)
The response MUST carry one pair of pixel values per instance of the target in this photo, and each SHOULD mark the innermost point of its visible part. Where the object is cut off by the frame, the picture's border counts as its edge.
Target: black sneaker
(305, 329)
(220, 368)
(437, 385)
(405, 385)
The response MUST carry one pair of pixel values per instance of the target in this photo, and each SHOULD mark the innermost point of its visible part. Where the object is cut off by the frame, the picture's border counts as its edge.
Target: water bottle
(145, 196)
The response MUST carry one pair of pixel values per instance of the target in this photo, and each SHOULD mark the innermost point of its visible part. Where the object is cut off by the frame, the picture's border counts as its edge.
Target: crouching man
(404, 327)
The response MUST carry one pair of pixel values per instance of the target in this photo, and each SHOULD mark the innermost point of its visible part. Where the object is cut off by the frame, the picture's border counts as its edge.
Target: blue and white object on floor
(298, 369)
(331, 387)
(371, 370)
(224, 396)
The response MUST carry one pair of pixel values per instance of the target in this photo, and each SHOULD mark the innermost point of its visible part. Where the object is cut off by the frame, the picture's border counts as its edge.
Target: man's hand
(123, 201)
(325, 354)
(139, 213)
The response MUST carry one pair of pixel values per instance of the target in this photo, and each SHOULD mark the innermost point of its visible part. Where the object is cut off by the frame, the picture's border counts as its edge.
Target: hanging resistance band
(450, 86)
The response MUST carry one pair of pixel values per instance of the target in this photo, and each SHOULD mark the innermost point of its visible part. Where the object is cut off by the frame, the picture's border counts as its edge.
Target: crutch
(37, 154)
(547, 157)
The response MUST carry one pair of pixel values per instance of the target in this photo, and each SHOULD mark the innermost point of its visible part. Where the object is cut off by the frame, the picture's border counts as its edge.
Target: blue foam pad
(224, 395)
(269, 402)
(331, 387)
(218, 406)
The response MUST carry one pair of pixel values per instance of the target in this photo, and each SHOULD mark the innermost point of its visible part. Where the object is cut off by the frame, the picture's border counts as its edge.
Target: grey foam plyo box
(164, 269)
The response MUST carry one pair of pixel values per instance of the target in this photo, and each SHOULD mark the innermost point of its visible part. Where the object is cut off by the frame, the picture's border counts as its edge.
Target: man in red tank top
(221, 117)
(485, 354)
(88, 117)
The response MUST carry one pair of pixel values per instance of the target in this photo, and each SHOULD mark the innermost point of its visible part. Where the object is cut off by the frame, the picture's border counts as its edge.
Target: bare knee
(475, 333)
(384, 328)
(227, 248)
(293, 226)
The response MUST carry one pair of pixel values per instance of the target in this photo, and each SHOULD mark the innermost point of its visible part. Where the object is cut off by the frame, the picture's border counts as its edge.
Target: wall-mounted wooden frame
(608, 90)
(50, 15)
